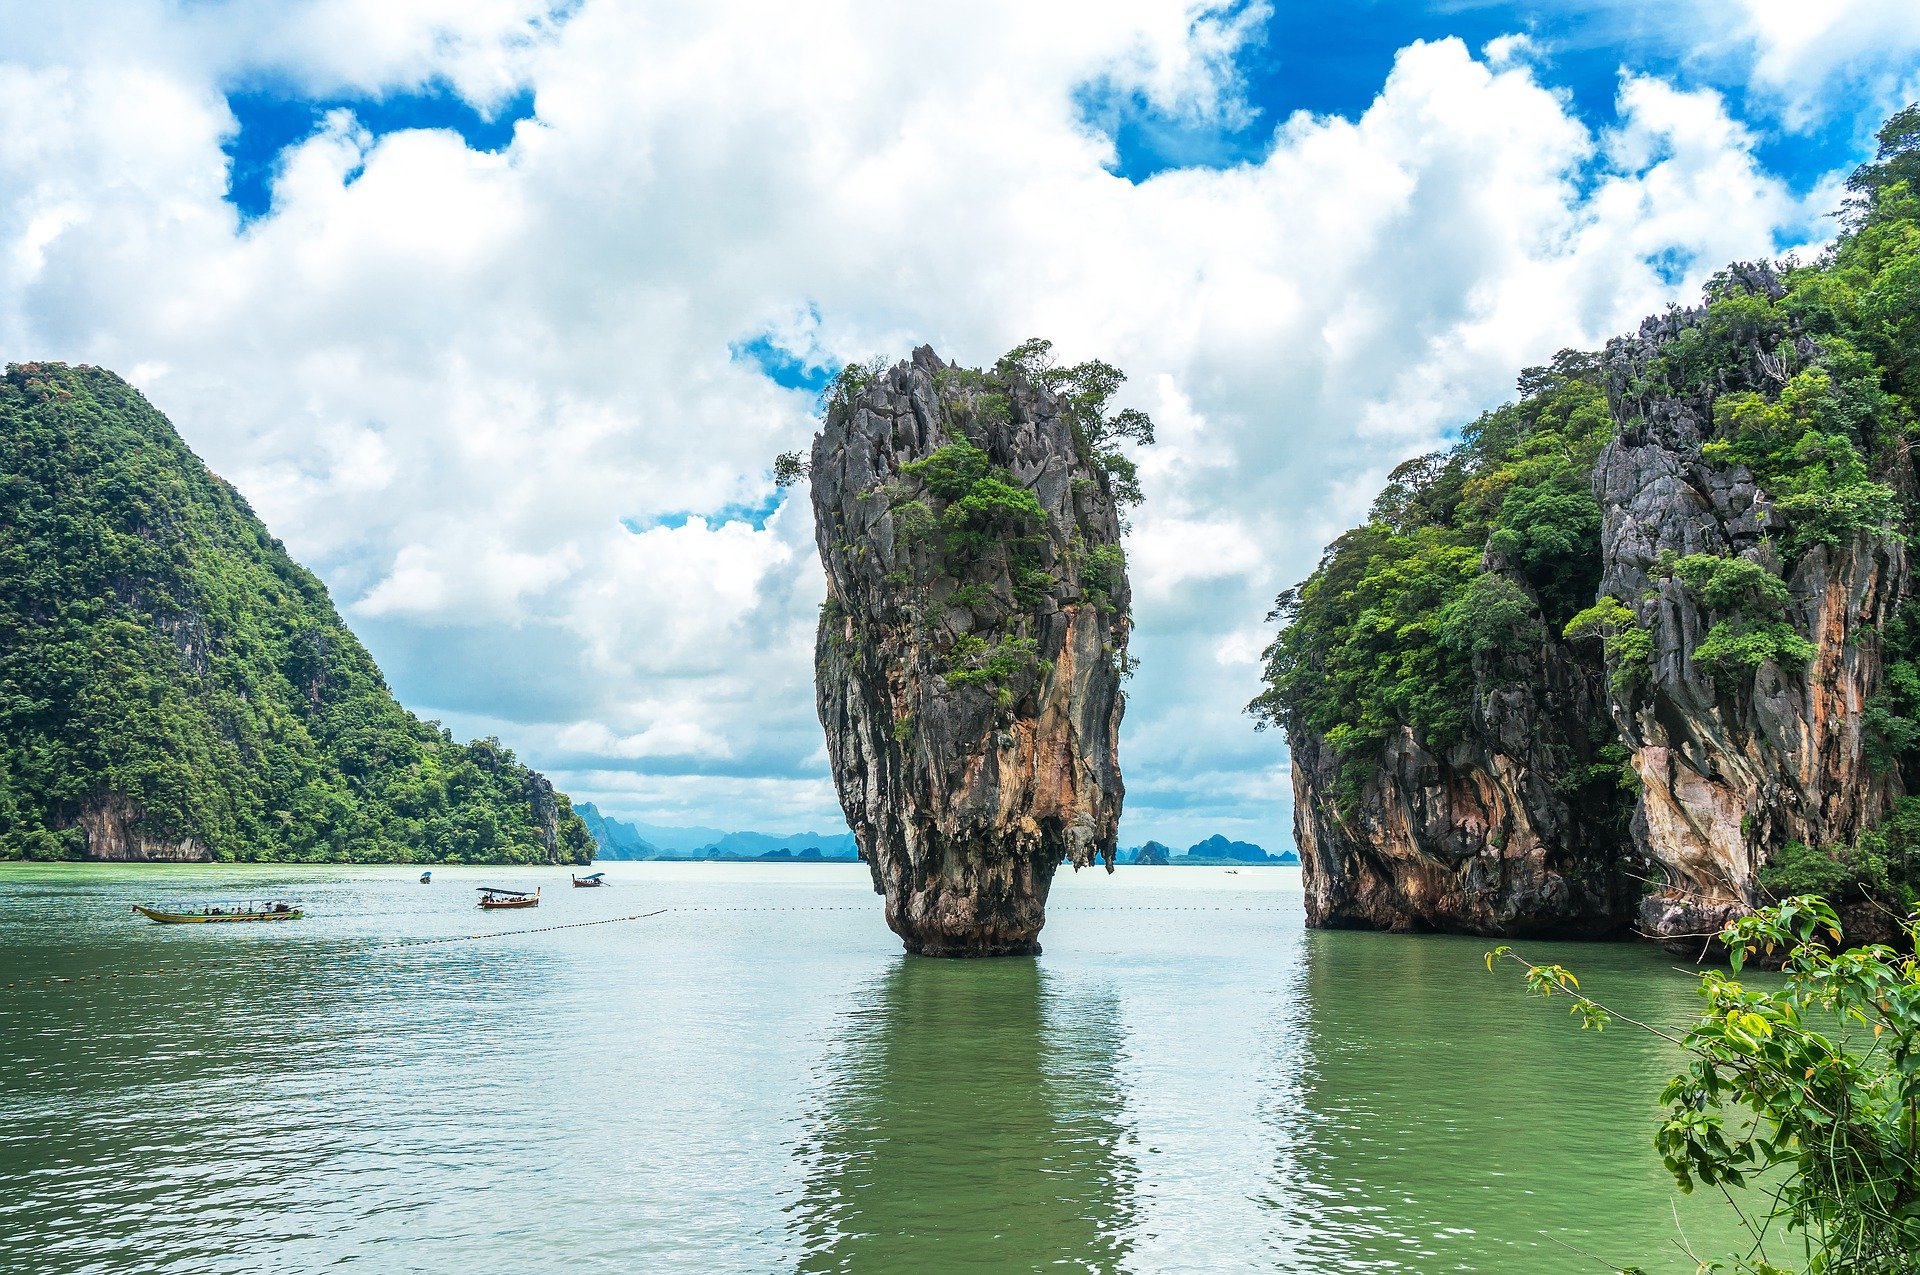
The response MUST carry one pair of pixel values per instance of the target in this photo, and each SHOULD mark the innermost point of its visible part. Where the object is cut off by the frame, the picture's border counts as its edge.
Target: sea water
(755, 1078)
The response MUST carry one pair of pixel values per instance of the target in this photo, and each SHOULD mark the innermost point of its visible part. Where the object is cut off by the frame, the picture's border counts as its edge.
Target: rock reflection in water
(970, 1119)
(1430, 1094)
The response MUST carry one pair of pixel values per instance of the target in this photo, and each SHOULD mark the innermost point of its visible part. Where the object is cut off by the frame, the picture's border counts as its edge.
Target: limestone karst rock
(1732, 769)
(1646, 781)
(971, 647)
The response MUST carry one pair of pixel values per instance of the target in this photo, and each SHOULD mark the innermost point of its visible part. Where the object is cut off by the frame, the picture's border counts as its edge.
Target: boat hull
(188, 918)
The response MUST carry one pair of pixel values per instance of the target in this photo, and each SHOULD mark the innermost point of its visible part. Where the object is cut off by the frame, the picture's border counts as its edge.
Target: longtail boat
(586, 882)
(222, 913)
(492, 896)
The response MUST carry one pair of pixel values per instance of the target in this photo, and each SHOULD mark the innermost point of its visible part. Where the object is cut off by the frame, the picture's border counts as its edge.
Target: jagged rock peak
(972, 644)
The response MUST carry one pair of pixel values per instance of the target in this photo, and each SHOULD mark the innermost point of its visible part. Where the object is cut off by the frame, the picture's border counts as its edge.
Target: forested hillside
(1641, 647)
(173, 685)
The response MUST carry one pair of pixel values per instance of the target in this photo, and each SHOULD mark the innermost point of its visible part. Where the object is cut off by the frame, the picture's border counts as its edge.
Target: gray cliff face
(1500, 835)
(115, 828)
(1518, 827)
(969, 656)
(1731, 771)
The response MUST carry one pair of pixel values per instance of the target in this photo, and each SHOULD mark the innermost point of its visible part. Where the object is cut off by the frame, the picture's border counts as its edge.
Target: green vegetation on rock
(1810, 377)
(1466, 553)
(170, 676)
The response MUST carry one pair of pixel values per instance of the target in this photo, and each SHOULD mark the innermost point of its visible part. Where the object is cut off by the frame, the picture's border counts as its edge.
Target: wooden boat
(426, 878)
(587, 882)
(222, 913)
(492, 897)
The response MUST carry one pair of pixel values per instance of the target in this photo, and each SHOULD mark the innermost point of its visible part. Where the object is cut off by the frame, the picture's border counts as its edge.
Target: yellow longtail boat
(219, 913)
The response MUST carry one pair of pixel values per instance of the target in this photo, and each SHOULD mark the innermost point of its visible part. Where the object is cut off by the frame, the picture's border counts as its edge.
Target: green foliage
(1750, 600)
(1628, 647)
(848, 382)
(789, 469)
(1881, 868)
(1383, 635)
(1802, 449)
(1814, 1082)
(1892, 718)
(156, 643)
(1491, 616)
(1739, 645)
(984, 505)
(1102, 574)
(1084, 392)
(976, 663)
(912, 522)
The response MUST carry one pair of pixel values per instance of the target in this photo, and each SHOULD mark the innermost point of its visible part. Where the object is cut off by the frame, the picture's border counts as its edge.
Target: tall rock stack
(971, 647)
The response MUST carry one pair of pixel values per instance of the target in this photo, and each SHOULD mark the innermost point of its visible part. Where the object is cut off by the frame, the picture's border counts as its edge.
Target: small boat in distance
(220, 913)
(426, 878)
(492, 896)
(595, 879)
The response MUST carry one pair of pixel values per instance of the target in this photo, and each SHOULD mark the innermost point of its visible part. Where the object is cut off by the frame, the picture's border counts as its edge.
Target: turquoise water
(757, 1079)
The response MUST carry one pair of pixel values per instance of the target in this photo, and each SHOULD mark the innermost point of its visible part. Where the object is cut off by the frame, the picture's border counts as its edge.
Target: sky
(498, 310)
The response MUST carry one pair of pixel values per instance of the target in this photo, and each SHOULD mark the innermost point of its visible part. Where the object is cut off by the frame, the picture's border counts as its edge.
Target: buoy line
(253, 958)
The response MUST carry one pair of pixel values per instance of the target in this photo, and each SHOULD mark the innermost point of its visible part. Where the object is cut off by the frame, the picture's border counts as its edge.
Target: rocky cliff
(1499, 832)
(174, 686)
(1634, 654)
(972, 644)
(1736, 761)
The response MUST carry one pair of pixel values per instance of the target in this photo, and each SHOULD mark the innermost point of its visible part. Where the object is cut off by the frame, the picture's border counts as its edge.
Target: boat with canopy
(222, 913)
(593, 879)
(493, 896)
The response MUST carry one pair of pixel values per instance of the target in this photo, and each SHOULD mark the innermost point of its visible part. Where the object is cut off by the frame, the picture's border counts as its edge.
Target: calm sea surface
(757, 1080)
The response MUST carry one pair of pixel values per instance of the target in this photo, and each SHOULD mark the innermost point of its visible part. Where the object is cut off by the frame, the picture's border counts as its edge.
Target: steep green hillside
(173, 685)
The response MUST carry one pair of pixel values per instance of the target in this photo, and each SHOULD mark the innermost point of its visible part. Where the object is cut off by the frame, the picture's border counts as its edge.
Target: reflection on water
(969, 1119)
(1449, 1121)
(756, 1080)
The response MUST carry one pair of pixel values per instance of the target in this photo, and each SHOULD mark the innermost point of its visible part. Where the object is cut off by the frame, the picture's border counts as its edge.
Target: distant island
(1215, 852)
(624, 839)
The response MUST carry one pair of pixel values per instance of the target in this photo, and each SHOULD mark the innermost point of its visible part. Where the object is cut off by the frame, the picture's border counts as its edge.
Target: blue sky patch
(782, 366)
(271, 120)
(1333, 60)
(755, 515)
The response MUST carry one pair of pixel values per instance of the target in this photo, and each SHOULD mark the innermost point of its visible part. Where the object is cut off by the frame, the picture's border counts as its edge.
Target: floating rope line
(256, 958)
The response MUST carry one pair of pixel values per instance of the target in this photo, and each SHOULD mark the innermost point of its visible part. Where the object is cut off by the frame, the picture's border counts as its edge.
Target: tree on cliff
(1810, 1091)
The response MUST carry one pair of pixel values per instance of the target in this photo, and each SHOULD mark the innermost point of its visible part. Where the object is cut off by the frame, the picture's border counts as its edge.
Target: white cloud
(453, 381)
(1818, 58)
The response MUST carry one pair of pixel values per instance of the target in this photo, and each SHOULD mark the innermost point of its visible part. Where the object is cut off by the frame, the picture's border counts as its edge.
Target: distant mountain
(758, 845)
(677, 842)
(811, 854)
(1153, 855)
(615, 838)
(625, 839)
(1215, 851)
(1218, 847)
